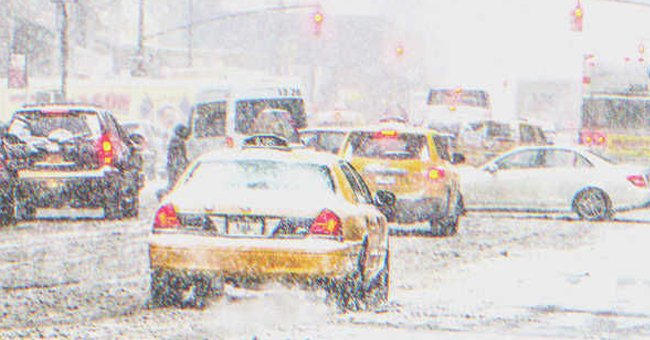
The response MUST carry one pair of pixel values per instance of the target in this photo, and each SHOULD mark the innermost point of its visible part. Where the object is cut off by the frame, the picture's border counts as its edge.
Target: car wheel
(129, 202)
(377, 292)
(7, 208)
(112, 207)
(592, 204)
(347, 292)
(448, 226)
(183, 290)
(25, 211)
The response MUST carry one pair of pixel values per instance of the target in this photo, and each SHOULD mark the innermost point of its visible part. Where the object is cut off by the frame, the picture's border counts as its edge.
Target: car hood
(256, 202)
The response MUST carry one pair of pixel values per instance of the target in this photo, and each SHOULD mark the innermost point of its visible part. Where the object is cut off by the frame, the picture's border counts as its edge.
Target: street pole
(64, 50)
(63, 45)
(190, 33)
(139, 69)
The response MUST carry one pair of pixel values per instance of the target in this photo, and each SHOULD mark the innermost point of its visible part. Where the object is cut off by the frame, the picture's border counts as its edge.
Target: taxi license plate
(245, 225)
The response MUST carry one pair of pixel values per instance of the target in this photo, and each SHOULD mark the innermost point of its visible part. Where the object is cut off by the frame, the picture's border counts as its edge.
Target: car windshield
(260, 175)
(329, 141)
(39, 124)
(276, 122)
(387, 145)
(247, 112)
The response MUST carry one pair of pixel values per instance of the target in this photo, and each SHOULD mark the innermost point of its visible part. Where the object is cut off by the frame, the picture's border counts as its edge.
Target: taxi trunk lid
(398, 176)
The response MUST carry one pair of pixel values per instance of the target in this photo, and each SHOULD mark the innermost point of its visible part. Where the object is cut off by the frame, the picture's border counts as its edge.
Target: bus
(222, 116)
(452, 106)
(617, 124)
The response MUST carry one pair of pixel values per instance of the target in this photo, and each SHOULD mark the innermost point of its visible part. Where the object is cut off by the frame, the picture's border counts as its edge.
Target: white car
(555, 179)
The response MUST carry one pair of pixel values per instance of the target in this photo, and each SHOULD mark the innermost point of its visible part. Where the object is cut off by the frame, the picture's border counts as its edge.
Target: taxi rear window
(259, 176)
(387, 145)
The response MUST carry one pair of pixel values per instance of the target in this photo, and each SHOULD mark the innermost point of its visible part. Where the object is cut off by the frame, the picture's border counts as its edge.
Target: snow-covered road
(522, 275)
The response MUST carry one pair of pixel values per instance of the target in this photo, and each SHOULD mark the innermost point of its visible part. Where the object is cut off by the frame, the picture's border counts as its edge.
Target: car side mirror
(384, 198)
(457, 158)
(491, 168)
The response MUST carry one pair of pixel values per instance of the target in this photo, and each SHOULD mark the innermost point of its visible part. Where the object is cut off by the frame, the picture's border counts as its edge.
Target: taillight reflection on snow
(327, 223)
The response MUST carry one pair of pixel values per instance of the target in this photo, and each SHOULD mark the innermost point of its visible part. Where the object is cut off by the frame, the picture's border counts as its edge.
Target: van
(224, 117)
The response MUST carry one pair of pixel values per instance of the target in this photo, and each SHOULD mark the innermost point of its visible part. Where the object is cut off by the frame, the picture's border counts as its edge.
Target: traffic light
(577, 14)
(399, 50)
(317, 19)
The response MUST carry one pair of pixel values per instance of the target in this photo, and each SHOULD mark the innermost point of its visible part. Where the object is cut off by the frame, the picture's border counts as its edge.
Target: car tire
(448, 225)
(347, 292)
(112, 209)
(379, 287)
(186, 290)
(129, 202)
(592, 204)
(7, 210)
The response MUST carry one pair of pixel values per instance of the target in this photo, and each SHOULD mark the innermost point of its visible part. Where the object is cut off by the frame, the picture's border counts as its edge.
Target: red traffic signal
(577, 14)
(399, 50)
(317, 19)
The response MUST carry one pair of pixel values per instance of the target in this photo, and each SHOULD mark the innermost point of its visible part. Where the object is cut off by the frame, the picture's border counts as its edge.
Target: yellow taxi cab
(267, 212)
(416, 164)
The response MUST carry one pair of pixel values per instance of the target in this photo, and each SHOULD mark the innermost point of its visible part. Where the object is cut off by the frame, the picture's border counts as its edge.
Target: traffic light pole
(63, 45)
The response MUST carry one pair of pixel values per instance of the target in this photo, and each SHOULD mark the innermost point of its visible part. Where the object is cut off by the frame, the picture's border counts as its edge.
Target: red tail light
(599, 138)
(385, 134)
(637, 181)
(104, 150)
(592, 137)
(166, 218)
(230, 142)
(436, 174)
(327, 223)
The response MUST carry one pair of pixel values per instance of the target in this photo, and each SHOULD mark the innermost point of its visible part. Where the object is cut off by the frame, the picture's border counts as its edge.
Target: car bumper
(412, 210)
(75, 189)
(258, 258)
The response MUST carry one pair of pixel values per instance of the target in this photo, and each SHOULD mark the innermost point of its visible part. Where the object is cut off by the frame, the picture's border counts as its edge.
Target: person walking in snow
(177, 154)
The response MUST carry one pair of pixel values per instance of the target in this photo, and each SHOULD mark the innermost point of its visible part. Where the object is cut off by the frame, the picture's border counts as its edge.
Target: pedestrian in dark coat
(177, 154)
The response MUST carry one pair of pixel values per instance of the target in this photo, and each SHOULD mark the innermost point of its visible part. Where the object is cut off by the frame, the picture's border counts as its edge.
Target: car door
(507, 183)
(377, 231)
(564, 173)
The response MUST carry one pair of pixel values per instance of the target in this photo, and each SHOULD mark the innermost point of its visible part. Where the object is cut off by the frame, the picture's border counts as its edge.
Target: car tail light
(592, 137)
(327, 223)
(166, 218)
(637, 181)
(599, 138)
(230, 142)
(385, 134)
(436, 174)
(104, 150)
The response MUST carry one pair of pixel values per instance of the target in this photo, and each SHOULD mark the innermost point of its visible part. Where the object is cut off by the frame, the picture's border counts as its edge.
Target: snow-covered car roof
(291, 155)
(59, 107)
(398, 127)
(585, 152)
(327, 129)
